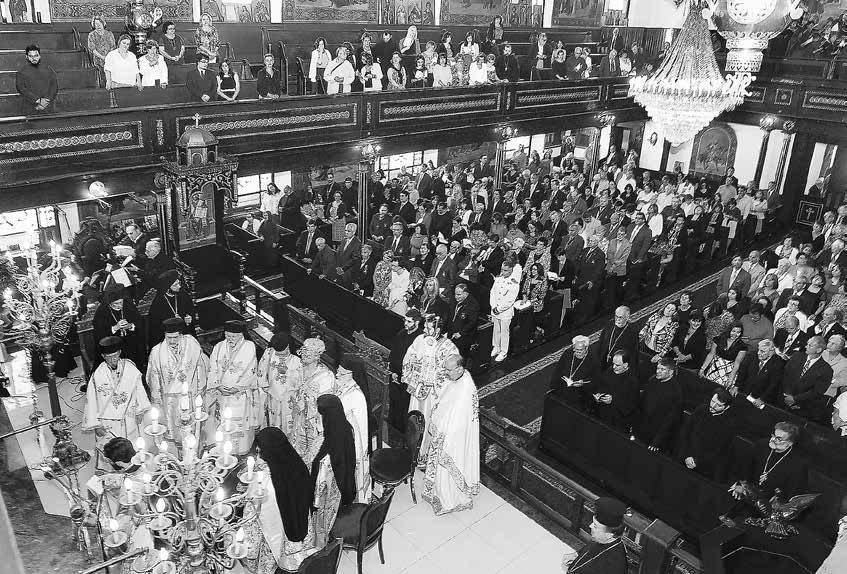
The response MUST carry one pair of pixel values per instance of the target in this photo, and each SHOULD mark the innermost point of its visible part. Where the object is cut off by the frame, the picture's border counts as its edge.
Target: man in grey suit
(734, 277)
(323, 265)
(640, 238)
(617, 254)
(349, 255)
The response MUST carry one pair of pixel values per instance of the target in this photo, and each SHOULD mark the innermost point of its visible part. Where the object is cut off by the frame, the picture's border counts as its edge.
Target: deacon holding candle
(115, 398)
(233, 384)
(177, 371)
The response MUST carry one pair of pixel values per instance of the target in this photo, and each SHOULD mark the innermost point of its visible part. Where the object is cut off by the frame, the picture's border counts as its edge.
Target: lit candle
(250, 463)
(227, 416)
(188, 444)
(198, 407)
(163, 555)
(147, 478)
(140, 445)
(228, 448)
(219, 496)
(163, 447)
(113, 526)
(128, 486)
(160, 506)
(183, 403)
(219, 438)
(7, 294)
(154, 416)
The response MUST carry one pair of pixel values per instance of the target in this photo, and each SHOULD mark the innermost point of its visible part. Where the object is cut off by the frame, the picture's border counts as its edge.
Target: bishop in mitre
(177, 372)
(233, 387)
(116, 401)
(280, 373)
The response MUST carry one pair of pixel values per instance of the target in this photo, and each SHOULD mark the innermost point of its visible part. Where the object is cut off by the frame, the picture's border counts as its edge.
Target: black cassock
(597, 558)
(624, 391)
(660, 411)
(585, 369)
(105, 318)
(165, 307)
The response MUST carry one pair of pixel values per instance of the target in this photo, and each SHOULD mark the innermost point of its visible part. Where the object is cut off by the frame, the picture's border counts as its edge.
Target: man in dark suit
(498, 205)
(807, 300)
(707, 434)
(398, 243)
(829, 325)
(490, 260)
(640, 238)
(405, 210)
(323, 265)
(363, 272)
(462, 319)
(609, 66)
(483, 169)
(425, 184)
(306, 249)
(349, 254)
(614, 395)
(589, 280)
(479, 218)
(617, 335)
(135, 238)
(835, 254)
(789, 339)
(202, 83)
(557, 196)
(380, 226)
(442, 221)
(437, 190)
(573, 242)
(444, 269)
(734, 277)
(760, 376)
(807, 378)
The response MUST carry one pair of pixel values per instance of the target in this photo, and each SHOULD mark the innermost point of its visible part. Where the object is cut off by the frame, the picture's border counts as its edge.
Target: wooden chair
(324, 561)
(361, 525)
(391, 466)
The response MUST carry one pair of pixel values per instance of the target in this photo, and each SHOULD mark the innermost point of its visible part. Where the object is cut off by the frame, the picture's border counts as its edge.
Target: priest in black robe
(660, 408)
(614, 397)
(618, 335)
(606, 553)
(707, 435)
(170, 301)
(776, 464)
(576, 370)
(118, 316)
(398, 396)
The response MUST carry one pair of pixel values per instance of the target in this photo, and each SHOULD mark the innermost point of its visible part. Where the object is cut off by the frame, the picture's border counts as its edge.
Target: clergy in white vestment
(116, 400)
(177, 371)
(452, 465)
(356, 411)
(233, 387)
(284, 535)
(280, 373)
(306, 430)
(423, 370)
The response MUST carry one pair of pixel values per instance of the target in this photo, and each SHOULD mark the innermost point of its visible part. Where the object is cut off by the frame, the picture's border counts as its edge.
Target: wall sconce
(505, 132)
(97, 191)
(605, 119)
(369, 151)
(766, 123)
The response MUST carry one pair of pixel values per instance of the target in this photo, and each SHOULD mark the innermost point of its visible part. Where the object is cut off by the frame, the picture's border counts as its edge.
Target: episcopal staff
(233, 386)
(606, 553)
(115, 398)
(177, 368)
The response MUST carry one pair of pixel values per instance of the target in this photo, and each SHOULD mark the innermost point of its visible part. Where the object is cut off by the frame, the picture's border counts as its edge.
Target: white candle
(183, 403)
(146, 478)
(188, 444)
(163, 555)
(198, 407)
(128, 485)
(140, 445)
(250, 463)
(163, 447)
(160, 506)
(113, 526)
(227, 448)
(219, 496)
(154, 416)
(227, 414)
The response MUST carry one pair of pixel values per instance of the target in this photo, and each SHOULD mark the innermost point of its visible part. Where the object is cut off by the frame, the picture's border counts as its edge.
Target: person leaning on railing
(121, 66)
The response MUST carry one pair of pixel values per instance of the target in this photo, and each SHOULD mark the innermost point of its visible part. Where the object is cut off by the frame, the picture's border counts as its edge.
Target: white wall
(276, 11)
(656, 14)
(68, 220)
(681, 153)
(816, 165)
(747, 152)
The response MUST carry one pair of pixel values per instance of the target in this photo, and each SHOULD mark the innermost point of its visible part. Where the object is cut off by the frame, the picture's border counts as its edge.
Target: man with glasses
(36, 83)
(807, 378)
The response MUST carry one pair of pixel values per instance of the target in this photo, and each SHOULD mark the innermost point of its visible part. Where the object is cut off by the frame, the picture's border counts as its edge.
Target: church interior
(285, 290)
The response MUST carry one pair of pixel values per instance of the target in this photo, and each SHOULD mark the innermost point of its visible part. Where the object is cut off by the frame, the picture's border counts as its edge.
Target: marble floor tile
(510, 531)
(425, 530)
(469, 553)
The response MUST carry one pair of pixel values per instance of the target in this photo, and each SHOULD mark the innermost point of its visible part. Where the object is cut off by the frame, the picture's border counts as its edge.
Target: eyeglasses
(782, 439)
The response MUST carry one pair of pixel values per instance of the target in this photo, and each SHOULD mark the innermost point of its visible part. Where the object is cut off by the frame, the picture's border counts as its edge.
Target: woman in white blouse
(121, 66)
(469, 47)
(153, 67)
(339, 74)
(442, 73)
(478, 73)
(317, 65)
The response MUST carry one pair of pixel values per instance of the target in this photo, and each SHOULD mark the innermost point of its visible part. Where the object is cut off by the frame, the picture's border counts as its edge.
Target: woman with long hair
(284, 534)
(382, 278)
(431, 302)
(398, 287)
(442, 73)
(724, 312)
(206, 38)
(334, 467)
(317, 65)
(228, 83)
(727, 352)
(494, 35)
(445, 45)
(370, 74)
(420, 75)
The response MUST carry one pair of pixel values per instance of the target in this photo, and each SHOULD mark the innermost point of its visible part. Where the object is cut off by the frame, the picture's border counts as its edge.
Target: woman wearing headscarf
(334, 467)
(284, 534)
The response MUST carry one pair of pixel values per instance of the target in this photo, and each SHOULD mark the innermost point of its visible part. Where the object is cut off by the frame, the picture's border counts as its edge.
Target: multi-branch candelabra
(196, 526)
(43, 306)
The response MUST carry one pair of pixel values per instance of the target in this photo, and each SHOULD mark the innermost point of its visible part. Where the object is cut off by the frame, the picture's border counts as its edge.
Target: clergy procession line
(308, 424)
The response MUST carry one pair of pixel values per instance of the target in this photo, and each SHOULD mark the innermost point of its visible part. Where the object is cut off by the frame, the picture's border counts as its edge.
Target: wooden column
(795, 177)
(763, 151)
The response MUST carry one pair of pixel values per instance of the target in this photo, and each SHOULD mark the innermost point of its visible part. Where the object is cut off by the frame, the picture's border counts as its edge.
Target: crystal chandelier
(196, 527)
(687, 91)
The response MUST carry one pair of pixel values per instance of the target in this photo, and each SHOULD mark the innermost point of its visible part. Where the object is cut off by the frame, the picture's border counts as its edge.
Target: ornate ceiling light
(688, 91)
(748, 26)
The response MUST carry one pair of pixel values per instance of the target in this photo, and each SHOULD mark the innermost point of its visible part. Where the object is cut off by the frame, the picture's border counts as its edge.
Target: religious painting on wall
(408, 12)
(713, 150)
(471, 12)
(523, 13)
(197, 226)
(330, 11)
(577, 12)
(111, 10)
(236, 10)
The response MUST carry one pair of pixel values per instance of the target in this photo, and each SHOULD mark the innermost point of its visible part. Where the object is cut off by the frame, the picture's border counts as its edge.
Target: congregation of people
(375, 64)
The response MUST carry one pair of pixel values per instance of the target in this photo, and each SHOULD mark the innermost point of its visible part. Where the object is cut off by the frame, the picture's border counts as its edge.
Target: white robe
(356, 411)
(452, 467)
(233, 384)
(423, 373)
(279, 379)
(306, 425)
(167, 372)
(115, 398)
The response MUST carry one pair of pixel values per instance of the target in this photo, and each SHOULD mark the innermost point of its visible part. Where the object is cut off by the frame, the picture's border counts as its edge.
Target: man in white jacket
(504, 293)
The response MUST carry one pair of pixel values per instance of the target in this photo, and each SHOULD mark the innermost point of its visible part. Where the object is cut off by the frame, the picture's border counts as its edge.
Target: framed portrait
(713, 150)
